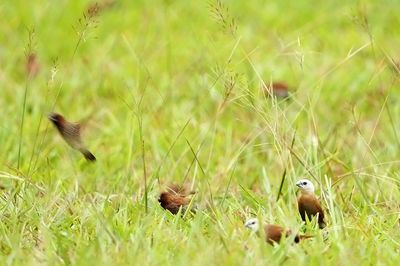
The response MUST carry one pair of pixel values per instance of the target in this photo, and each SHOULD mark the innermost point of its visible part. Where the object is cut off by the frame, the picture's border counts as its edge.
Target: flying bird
(71, 133)
(308, 203)
(274, 233)
(175, 198)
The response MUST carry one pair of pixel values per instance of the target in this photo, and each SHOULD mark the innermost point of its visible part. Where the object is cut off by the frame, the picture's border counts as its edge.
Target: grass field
(169, 91)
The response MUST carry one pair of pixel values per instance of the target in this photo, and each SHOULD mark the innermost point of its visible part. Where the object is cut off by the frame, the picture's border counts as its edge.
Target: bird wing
(273, 233)
(71, 134)
(173, 202)
(309, 205)
(74, 129)
(71, 130)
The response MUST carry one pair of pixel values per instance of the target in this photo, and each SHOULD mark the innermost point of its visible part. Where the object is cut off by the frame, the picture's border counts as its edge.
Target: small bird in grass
(173, 202)
(276, 89)
(180, 189)
(71, 133)
(308, 203)
(175, 198)
(274, 233)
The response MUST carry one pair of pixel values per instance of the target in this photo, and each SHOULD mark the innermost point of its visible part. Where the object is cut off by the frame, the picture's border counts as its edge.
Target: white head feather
(306, 186)
(252, 224)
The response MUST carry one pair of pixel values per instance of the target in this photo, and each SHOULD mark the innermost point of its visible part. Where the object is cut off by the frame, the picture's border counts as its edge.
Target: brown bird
(71, 133)
(308, 203)
(173, 202)
(277, 89)
(175, 197)
(274, 233)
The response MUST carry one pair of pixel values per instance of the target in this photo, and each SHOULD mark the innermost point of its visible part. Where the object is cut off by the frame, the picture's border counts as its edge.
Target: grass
(170, 92)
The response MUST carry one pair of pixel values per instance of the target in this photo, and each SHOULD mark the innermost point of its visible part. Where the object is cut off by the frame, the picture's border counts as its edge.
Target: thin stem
(22, 124)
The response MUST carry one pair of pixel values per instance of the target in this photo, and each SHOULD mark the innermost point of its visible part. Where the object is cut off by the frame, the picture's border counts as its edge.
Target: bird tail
(88, 155)
(321, 224)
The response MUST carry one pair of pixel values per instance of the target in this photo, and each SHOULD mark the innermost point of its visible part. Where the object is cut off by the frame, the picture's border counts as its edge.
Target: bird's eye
(304, 183)
(253, 223)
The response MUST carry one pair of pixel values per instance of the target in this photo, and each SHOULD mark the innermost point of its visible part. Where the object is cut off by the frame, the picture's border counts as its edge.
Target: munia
(71, 133)
(276, 89)
(175, 198)
(274, 233)
(308, 203)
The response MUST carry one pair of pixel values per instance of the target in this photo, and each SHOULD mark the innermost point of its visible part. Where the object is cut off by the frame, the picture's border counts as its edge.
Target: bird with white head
(273, 233)
(308, 203)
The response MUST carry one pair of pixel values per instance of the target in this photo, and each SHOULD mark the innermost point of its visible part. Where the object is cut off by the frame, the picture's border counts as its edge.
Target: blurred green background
(171, 91)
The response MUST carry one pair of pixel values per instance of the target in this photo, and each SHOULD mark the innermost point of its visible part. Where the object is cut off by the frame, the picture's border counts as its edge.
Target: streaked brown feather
(71, 133)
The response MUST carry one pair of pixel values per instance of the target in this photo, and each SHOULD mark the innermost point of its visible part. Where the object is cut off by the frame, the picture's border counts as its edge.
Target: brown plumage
(180, 189)
(173, 202)
(278, 89)
(175, 197)
(71, 133)
(274, 233)
(308, 204)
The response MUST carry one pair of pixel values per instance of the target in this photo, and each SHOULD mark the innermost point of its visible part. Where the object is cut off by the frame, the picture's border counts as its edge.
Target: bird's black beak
(298, 184)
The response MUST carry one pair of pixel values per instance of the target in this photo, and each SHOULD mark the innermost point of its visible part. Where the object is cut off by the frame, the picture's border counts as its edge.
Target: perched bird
(173, 202)
(308, 203)
(175, 198)
(273, 233)
(71, 133)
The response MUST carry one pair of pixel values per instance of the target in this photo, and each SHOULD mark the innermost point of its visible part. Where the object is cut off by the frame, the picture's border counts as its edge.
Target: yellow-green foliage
(170, 90)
